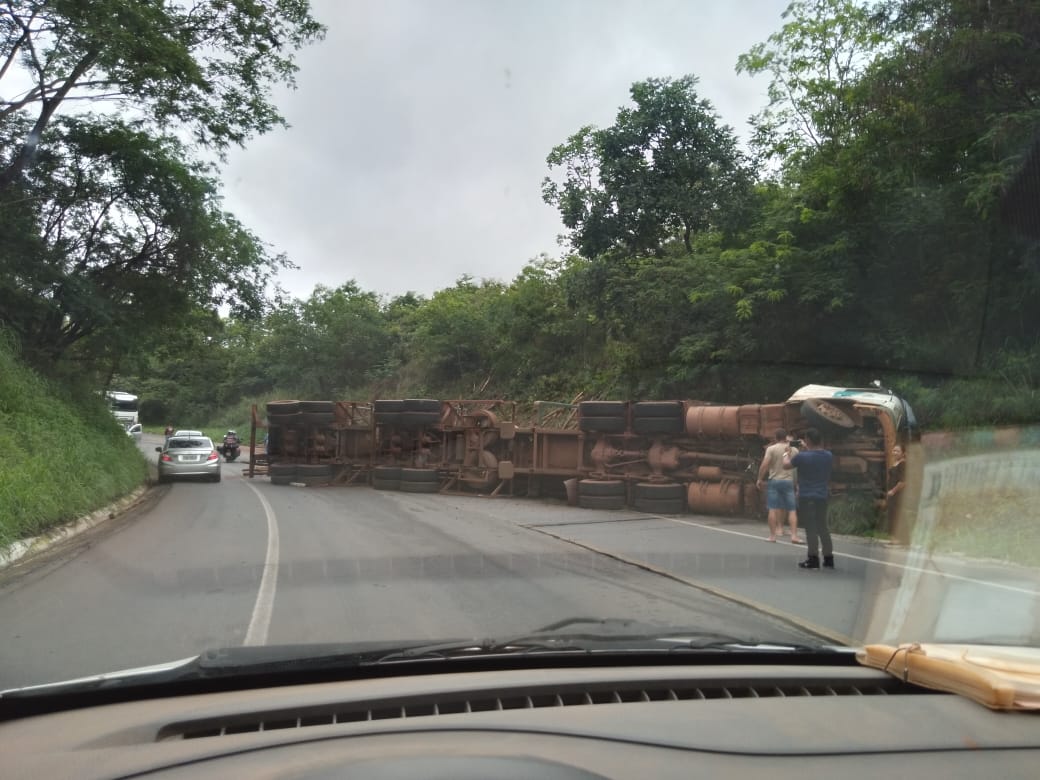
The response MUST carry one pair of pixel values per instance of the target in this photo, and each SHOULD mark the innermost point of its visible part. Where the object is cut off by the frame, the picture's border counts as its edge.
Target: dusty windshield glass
(581, 324)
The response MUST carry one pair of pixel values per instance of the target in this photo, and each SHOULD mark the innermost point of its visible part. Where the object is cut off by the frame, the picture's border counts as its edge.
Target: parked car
(135, 431)
(188, 433)
(188, 456)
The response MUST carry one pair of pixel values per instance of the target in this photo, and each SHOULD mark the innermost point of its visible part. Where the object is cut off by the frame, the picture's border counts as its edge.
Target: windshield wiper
(604, 637)
(621, 636)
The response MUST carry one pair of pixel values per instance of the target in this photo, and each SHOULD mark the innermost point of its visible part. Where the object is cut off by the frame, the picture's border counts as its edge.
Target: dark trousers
(812, 513)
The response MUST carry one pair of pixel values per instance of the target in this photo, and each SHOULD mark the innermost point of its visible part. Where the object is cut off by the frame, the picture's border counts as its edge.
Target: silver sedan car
(188, 456)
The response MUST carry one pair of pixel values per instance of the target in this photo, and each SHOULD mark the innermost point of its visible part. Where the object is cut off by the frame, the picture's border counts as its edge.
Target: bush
(63, 454)
(154, 412)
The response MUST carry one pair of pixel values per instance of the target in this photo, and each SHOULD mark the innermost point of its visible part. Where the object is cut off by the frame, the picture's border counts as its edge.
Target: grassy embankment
(61, 456)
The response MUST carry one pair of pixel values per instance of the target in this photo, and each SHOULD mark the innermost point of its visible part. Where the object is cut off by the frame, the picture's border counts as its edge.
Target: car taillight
(213, 455)
(166, 458)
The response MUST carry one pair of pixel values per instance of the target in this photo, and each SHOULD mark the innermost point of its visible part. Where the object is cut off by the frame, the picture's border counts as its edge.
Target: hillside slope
(60, 456)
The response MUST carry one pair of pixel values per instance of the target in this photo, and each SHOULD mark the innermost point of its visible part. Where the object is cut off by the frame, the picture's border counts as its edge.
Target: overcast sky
(420, 128)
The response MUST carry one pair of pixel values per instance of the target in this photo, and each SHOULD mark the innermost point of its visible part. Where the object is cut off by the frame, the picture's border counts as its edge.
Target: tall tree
(814, 62)
(664, 170)
(207, 65)
(115, 231)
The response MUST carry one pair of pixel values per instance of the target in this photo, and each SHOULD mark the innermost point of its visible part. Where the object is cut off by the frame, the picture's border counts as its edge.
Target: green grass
(61, 456)
(855, 514)
(996, 524)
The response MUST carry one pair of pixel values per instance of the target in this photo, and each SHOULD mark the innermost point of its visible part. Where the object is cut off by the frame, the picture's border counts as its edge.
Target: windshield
(542, 326)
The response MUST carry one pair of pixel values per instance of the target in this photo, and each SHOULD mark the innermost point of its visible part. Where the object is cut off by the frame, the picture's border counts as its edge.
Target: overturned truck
(664, 457)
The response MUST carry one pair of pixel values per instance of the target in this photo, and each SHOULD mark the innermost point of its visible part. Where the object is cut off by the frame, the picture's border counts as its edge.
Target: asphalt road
(203, 565)
(207, 565)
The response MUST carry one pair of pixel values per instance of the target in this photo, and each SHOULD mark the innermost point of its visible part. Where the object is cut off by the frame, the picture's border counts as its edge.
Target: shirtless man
(780, 490)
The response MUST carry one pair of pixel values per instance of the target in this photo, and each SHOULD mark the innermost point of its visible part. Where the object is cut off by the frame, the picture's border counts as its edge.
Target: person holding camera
(814, 466)
(780, 489)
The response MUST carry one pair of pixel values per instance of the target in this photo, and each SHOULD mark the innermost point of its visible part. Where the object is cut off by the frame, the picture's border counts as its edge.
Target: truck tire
(285, 420)
(826, 416)
(314, 470)
(601, 487)
(282, 407)
(277, 479)
(648, 426)
(387, 411)
(416, 419)
(282, 469)
(601, 502)
(315, 407)
(386, 477)
(603, 409)
(317, 419)
(602, 424)
(420, 487)
(420, 476)
(644, 409)
(314, 473)
(429, 405)
(660, 491)
(660, 506)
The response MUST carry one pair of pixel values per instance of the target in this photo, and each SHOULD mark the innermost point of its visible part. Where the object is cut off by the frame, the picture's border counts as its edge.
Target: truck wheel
(660, 506)
(417, 419)
(601, 502)
(420, 476)
(656, 425)
(660, 491)
(657, 409)
(419, 487)
(386, 477)
(826, 416)
(602, 424)
(601, 487)
(429, 405)
(283, 407)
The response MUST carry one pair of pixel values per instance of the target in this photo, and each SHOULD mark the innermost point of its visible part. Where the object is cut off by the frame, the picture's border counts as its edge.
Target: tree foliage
(895, 236)
(666, 169)
(207, 66)
(112, 226)
(124, 231)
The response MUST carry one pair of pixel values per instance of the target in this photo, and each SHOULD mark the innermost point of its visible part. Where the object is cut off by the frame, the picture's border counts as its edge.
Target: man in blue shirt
(814, 466)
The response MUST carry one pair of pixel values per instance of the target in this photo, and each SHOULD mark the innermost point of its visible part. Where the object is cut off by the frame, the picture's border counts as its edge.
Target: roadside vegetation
(62, 453)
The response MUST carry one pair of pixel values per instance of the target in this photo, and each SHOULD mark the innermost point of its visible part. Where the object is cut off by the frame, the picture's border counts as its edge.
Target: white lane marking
(260, 622)
(892, 564)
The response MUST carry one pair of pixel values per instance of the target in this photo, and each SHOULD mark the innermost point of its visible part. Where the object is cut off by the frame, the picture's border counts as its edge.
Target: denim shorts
(780, 494)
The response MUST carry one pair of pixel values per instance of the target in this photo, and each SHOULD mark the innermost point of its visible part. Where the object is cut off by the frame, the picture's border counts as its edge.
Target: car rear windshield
(190, 444)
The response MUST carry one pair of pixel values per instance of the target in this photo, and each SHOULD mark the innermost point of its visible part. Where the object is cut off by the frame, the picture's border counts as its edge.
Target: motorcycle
(230, 448)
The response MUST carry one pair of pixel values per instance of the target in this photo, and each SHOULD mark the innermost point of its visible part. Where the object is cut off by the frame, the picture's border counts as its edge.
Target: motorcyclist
(231, 444)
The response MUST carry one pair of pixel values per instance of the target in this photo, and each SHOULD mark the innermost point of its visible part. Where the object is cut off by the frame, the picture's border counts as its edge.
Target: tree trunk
(25, 155)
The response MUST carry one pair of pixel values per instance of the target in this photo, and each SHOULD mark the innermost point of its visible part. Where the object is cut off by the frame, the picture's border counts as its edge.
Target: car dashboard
(684, 721)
